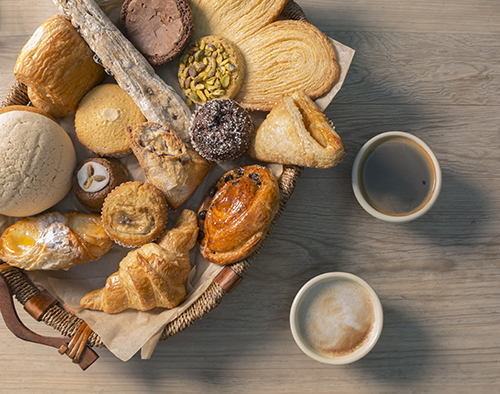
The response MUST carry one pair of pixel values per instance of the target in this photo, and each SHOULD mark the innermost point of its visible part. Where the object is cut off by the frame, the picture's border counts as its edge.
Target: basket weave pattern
(67, 323)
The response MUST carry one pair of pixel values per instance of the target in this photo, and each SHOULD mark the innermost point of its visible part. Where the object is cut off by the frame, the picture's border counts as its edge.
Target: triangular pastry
(297, 132)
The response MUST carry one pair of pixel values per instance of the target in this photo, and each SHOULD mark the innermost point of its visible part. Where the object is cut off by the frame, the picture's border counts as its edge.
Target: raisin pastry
(236, 213)
(54, 241)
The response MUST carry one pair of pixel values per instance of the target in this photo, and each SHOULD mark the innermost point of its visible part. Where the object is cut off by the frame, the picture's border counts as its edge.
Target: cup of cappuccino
(336, 318)
(396, 177)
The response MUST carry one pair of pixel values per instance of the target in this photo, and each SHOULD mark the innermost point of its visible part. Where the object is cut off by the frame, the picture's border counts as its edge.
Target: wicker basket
(43, 307)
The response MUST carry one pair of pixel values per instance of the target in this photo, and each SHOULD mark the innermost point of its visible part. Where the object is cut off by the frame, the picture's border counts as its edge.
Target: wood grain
(429, 68)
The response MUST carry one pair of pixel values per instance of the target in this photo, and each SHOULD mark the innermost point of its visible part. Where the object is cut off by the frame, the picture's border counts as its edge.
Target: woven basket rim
(67, 323)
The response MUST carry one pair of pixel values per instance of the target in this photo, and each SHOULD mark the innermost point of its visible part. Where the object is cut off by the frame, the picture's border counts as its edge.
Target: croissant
(54, 241)
(297, 132)
(151, 276)
(170, 164)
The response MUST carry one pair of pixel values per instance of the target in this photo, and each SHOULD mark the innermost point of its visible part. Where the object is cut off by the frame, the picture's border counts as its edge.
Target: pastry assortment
(241, 59)
(151, 276)
(221, 130)
(211, 68)
(297, 132)
(236, 213)
(58, 67)
(134, 213)
(102, 118)
(36, 163)
(54, 241)
(95, 178)
(159, 29)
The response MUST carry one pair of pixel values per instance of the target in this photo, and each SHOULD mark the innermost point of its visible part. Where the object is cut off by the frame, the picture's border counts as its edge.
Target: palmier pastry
(170, 164)
(236, 213)
(297, 132)
(54, 241)
(211, 68)
(151, 276)
(58, 67)
(221, 130)
(134, 213)
(95, 178)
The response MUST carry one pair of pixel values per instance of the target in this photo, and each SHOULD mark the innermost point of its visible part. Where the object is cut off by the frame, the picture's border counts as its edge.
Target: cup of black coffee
(396, 177)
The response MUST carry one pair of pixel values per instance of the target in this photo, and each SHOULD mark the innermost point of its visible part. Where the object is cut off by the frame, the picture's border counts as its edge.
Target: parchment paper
(127, 332)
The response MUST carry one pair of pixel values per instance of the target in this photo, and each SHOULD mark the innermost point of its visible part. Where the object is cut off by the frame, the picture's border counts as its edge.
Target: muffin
(102, 119)
(159, 29)
(95, 178)
(221, 130)
(134, 213)
(211, 68)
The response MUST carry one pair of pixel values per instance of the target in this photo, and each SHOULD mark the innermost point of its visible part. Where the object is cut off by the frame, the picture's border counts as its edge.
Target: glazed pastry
(297, 132)
(159, 29)
(221, 130)
(236, 213)
(285, 56)
(134, 213)
(102, 118)
(95, 178)
(236, 20)
(211, 68)
(58, 67)
(37, 159)
(151, 276)
(171, 165)
(54, 241)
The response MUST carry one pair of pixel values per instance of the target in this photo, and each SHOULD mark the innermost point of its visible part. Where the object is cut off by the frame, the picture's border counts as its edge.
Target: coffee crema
(336, 317)
(396, 176)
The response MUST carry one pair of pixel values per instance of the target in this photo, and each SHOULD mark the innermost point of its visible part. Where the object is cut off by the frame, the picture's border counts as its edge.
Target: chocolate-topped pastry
(95, 178)
(221, 130)
(159, 29)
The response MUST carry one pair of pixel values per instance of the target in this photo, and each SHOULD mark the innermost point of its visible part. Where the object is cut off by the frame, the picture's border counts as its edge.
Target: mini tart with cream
(134, 213)
(95, 178)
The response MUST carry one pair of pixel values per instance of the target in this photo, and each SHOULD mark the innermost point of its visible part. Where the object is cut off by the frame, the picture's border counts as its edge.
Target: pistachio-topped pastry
(95, 178)
(210, 68)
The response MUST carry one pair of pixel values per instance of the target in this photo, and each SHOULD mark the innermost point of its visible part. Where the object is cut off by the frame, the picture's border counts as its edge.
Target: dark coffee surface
(397, 176)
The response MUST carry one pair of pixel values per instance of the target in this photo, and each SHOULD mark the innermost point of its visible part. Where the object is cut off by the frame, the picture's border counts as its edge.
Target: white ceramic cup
(331, 310)
(357, 178)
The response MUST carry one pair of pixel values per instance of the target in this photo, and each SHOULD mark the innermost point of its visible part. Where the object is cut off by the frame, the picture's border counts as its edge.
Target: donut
(221, 130)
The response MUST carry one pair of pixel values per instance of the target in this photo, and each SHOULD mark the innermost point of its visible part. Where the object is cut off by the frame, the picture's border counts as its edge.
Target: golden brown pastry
(236, 213)
(234, 19)
(211, 68)
(35, 110)
(171, 165)
(58, 67)
(54, 241)
(134, 214)
(283, 57)
(297, 132)
(151, 276)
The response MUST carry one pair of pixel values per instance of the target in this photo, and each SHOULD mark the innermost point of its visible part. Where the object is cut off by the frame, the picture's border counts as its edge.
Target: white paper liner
(127, 332)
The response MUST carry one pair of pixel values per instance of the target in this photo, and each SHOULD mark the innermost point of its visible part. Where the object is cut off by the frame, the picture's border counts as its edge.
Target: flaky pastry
(151, 276)
(297, 132)
(54, 241)
(236, 213)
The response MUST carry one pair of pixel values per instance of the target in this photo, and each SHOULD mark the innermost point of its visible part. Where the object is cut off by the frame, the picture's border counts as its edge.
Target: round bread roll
(37, 159)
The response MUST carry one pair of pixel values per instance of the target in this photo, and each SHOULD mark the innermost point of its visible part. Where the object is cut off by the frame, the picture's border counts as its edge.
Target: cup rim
(395, 218)
(358, 353)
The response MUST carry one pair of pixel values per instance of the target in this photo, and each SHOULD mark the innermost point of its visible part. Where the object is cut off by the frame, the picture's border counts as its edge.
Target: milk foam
(336, 317)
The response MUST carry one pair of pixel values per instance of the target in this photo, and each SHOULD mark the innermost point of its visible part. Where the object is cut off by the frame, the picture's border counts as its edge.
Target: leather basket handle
(75, 347)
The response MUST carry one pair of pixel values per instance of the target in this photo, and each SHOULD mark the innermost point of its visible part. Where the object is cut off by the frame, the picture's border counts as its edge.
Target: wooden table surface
(427, 67)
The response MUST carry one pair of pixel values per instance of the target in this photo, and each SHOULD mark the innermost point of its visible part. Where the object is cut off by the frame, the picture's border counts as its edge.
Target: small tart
(212, 67)
(134, 213)
(221, 130)
(236, 213)
(95, 178)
